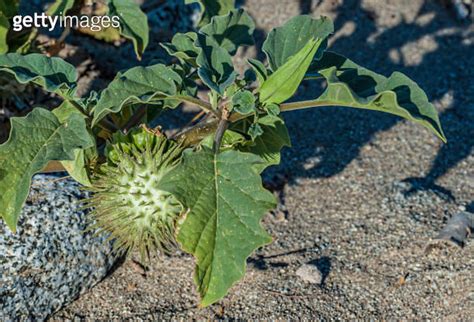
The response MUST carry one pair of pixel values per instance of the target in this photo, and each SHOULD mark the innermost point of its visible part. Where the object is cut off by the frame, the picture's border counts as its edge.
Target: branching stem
(196, 133)
(221, 128)
(196, 101)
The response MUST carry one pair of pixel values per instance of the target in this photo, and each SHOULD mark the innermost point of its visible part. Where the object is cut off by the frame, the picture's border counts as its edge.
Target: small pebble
(310, 273)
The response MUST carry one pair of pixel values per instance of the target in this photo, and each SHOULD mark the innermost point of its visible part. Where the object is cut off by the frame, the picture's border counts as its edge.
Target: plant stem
(78, 107)
(305, 104)
(199, 131)
(104, 124)
(221, 128)
(196, 133)
(214, 99)
(135, 119)
(109, 125)
(196, 101)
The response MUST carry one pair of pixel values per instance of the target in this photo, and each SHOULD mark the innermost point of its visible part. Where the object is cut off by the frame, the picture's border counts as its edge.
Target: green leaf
(9, 8)
(215, 64)
(226, 203)
(255, 130)
(133, 23)
(269, 144)
(65, 110)
(188, 87)
(354, 86)
(60, 7)
(109, 35)
(211, 8)
(34, 141)
(284, 82)
(243, 102)
(137, 85)
(259, 69)
(272, 109)
(232, 30)
(182, 47)
(287, 40)
(78, 168)
(4, 26)
(229, 140)
(53, 74)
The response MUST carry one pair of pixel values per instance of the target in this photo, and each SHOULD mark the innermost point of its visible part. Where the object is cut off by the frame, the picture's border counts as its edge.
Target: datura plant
(199, 189)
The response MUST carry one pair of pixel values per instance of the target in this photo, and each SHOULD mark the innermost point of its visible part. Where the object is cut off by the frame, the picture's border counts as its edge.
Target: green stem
(135, 119)
(214, 99)
(78, 107)
(196, 133)
(104, 124)
(196, 101)
(305, 104)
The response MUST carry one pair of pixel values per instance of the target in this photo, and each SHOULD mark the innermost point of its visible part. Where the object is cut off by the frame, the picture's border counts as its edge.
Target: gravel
(50, 261)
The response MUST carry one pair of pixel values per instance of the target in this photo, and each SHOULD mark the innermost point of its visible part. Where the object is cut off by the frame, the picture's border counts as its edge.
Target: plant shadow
(332, 138)
(323, 264)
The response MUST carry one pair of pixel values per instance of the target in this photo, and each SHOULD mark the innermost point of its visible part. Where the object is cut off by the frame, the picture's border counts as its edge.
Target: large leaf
(284, 82)
(354, 86)
(182, 47)
(66, 109)
(60, 7)
(211, 8)
(285, 41)
(137, 85)
(215, 64)
(226, 202)
(232, 30)
(260, 70)
(133, 23)
(53, 74)
(77, 168)
(268, 145)
(34, 141)
(8, 8)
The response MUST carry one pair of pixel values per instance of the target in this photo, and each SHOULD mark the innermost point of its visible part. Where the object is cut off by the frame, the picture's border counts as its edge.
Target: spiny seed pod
(126, 201)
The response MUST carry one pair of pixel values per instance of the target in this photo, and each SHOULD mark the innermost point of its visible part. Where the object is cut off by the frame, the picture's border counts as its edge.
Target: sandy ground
(364, 192)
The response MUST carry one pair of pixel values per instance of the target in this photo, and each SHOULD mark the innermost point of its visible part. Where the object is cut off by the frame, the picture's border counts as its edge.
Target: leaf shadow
(262, 262)
(323, 264)
(333, 137)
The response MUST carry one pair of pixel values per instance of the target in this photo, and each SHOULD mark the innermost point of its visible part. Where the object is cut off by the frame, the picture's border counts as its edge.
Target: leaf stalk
(285, 107)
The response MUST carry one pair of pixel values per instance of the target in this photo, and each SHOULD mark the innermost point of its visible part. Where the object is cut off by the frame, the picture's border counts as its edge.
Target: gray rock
(310, 273)
(50, 261)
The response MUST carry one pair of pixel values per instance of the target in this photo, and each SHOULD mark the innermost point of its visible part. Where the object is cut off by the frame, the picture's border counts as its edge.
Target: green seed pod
(126, 201)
